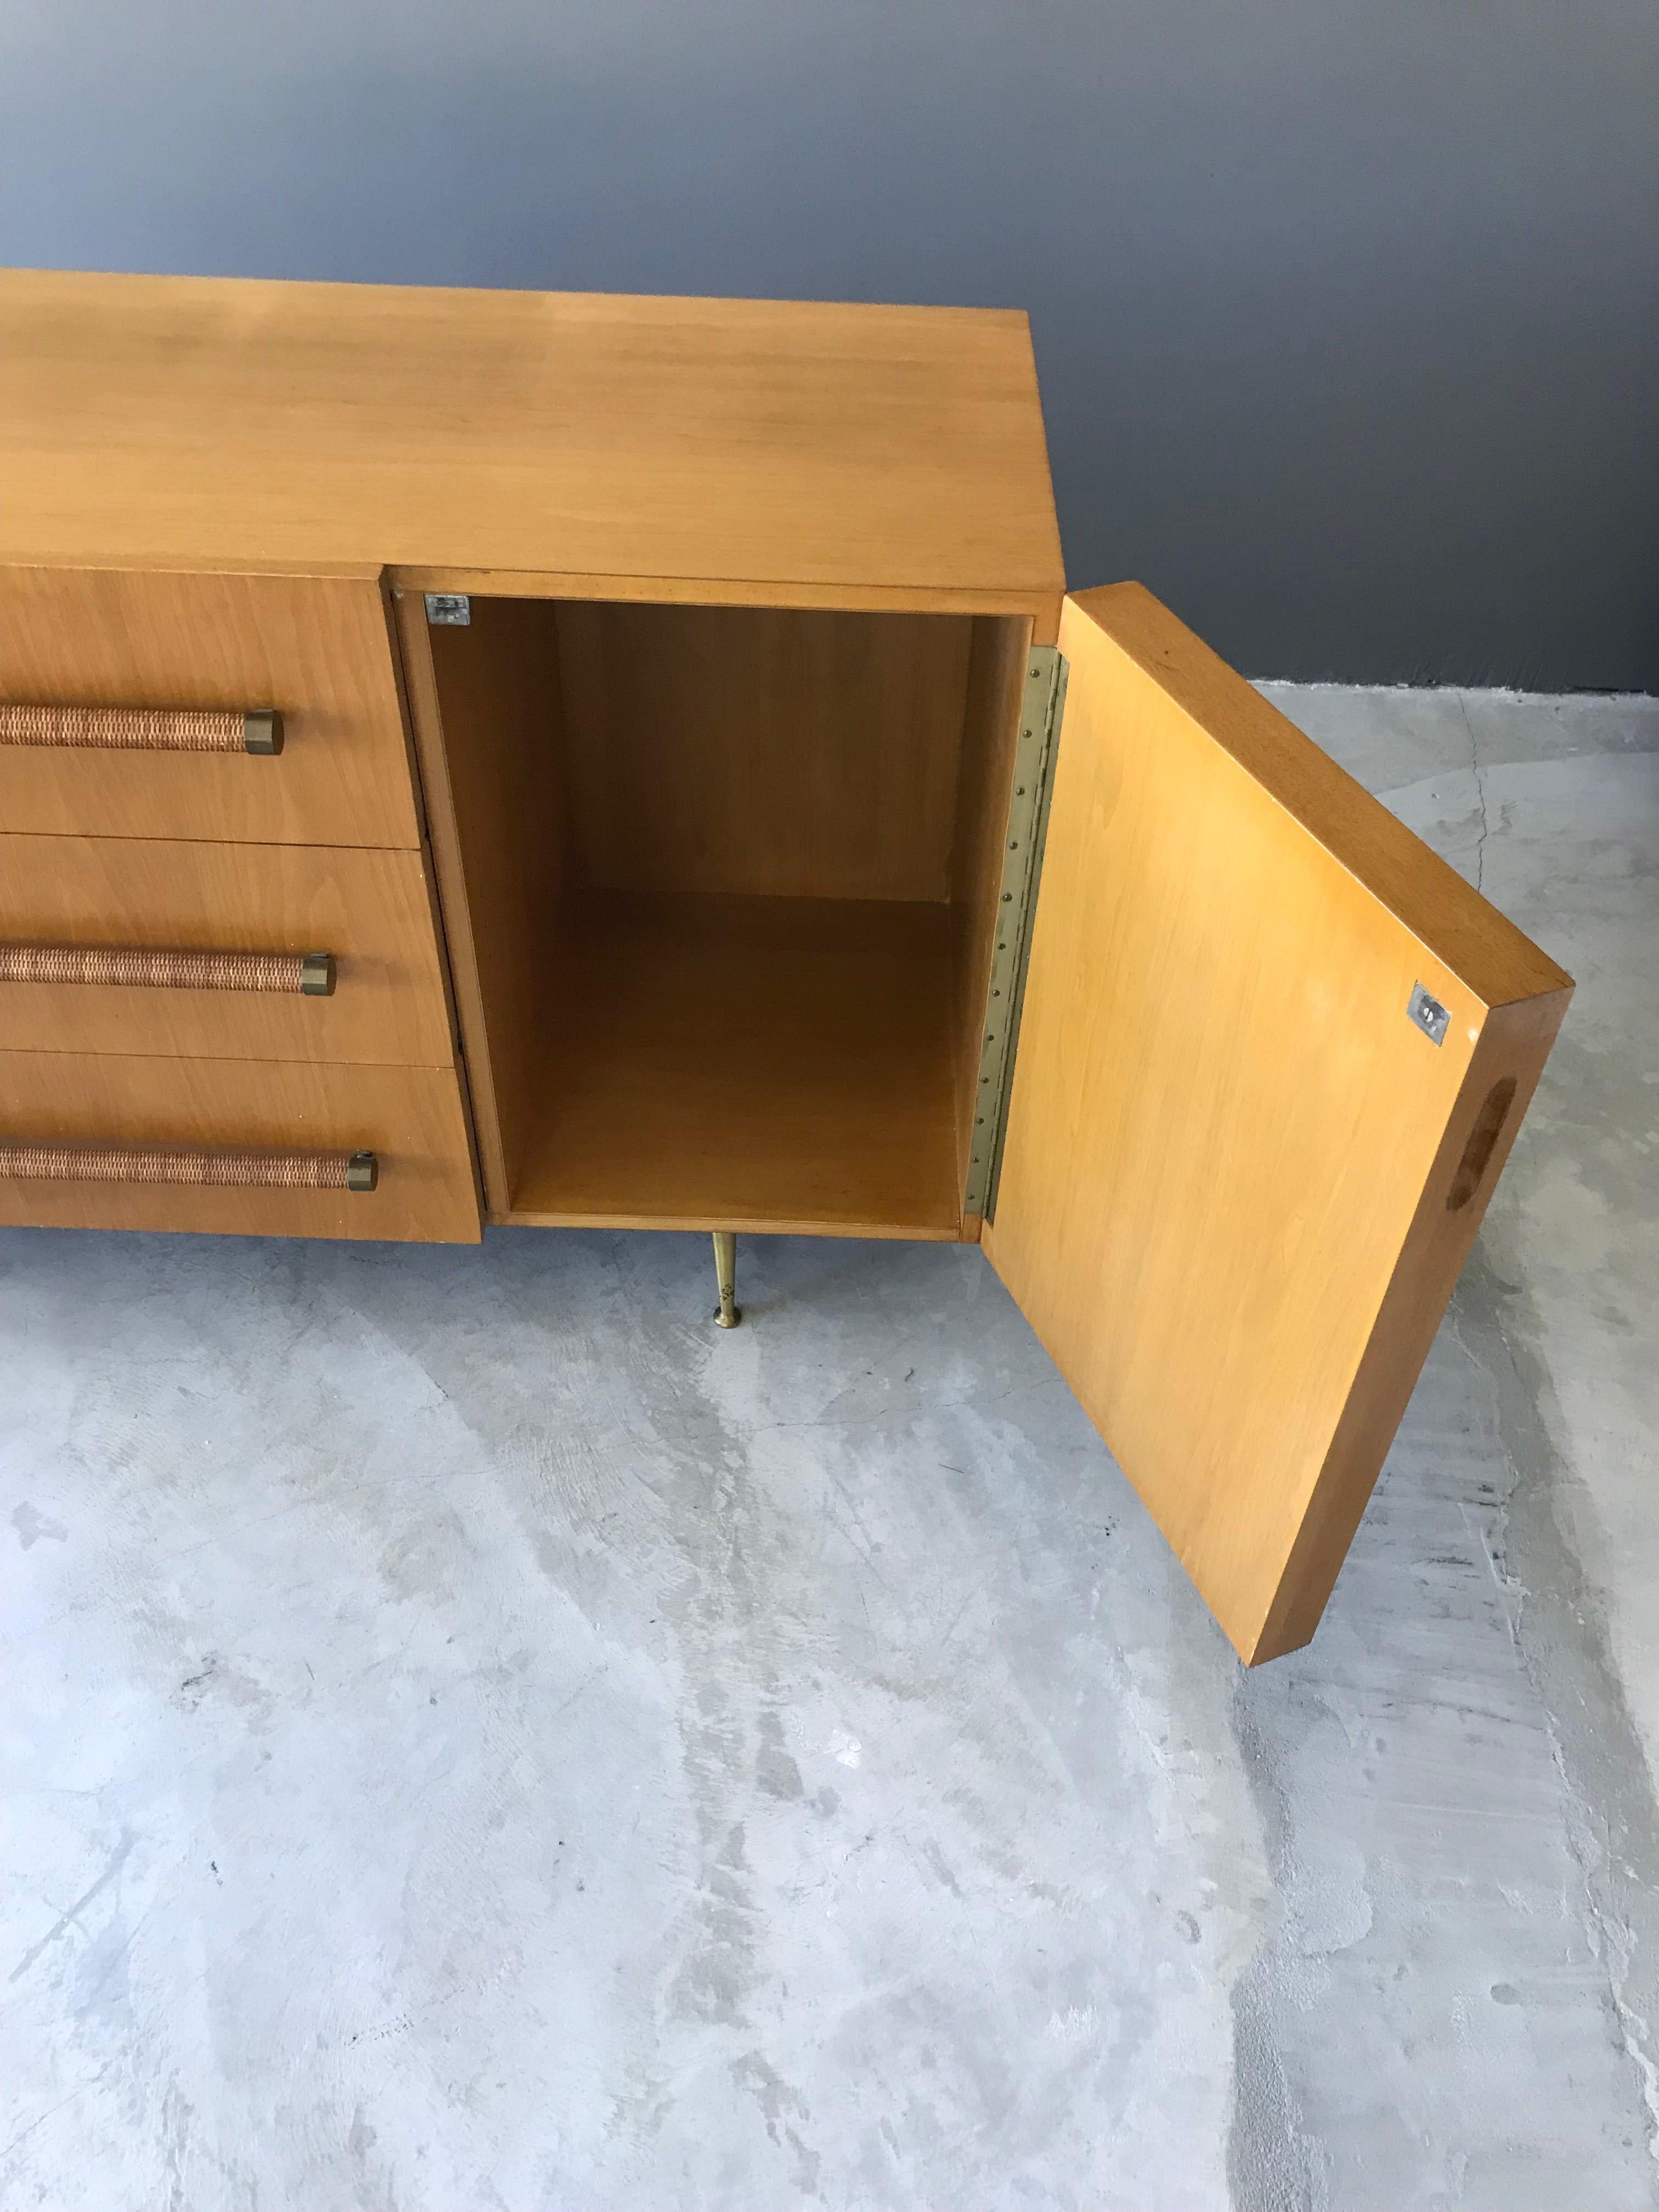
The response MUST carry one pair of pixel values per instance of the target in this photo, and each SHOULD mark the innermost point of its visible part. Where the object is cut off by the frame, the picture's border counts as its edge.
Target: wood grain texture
(315, 648)
(410, 1117)
(371, 908)
(1493, 957)
(763, 750)
(648, 589)
(1223, 1198)
(484, 700)
(222, 421)
(734, 1063)
(1515, 1043)
(990, 734)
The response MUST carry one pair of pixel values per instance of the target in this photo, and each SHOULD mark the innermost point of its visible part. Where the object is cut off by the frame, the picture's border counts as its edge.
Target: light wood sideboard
(486, 756)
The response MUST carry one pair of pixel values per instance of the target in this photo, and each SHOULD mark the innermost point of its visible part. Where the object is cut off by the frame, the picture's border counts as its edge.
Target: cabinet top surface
(158, 420)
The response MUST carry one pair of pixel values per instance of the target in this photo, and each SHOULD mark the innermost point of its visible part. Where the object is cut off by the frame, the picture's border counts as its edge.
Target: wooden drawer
(316, 649)
(371, 909)
(411, 1118)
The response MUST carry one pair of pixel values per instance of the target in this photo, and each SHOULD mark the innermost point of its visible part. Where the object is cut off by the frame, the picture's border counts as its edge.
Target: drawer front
(298, 1113)
(100, 904)
(317, 650)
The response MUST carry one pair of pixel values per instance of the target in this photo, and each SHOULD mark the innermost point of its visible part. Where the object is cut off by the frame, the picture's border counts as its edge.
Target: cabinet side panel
(485, 700)
(996, 668)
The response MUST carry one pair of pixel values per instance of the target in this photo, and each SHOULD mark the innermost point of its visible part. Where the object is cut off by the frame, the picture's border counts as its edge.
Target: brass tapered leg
(725, 1273)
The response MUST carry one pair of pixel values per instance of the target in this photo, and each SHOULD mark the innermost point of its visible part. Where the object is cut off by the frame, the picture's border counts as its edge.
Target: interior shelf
(732, 1062)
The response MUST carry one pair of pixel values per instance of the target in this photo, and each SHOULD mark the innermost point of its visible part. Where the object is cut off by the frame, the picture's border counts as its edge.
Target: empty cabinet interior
(720, 884)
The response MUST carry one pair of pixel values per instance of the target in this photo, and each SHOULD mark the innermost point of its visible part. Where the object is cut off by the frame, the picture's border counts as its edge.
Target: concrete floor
(477, 1736)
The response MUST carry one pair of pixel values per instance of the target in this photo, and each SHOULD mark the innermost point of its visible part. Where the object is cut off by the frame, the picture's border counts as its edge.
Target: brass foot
(725, 1274)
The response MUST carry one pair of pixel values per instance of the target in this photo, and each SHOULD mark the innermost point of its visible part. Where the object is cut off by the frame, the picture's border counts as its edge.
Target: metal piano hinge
(1041, 709)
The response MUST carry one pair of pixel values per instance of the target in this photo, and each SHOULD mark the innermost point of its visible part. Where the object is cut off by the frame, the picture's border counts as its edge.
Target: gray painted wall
(1346, 310)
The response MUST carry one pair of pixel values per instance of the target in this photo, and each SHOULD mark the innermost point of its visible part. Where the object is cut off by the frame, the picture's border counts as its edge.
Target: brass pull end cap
(262, 731)
(362, 1171)
(317, 974)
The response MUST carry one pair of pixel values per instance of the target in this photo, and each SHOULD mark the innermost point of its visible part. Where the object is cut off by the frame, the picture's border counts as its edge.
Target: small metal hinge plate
(448, 608)
(1430, 1017)
(1041, 708)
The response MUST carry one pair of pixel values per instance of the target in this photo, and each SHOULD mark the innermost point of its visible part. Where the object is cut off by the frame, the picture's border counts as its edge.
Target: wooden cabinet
(803, 858)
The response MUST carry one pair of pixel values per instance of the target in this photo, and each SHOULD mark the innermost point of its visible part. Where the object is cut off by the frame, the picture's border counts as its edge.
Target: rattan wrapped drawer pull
(231, 1170)
(311, 973)
(144, 729)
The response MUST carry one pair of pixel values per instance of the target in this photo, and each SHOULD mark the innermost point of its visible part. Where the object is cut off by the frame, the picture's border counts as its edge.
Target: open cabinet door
(1243, 1159)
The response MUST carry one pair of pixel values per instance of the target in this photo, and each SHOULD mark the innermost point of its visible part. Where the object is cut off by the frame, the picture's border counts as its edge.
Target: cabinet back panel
(763, 750)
